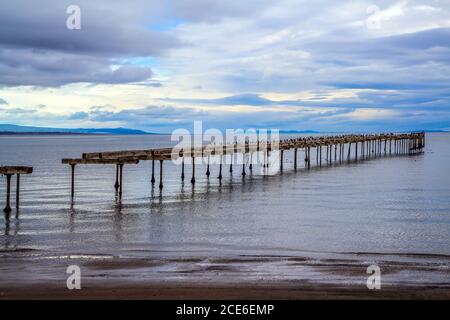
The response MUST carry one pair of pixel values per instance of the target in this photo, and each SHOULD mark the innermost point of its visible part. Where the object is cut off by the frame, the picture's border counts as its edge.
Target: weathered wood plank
(15, 170)
(99, 161)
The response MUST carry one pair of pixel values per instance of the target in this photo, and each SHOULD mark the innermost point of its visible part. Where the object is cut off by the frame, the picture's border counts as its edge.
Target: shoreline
(220, 291)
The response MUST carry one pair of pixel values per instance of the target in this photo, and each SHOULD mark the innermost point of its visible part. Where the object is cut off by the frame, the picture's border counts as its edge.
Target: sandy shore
(210, 291)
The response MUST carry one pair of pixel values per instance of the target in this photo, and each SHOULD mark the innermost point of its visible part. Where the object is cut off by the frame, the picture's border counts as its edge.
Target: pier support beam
(207, 169)
(320, 155)
(153, 171)
(72, 189)
(8, 194)
(295, 159)
(17, 190)
(309, 157)
(220, 168)
(120, 179)
(161, 174)
(193, 171)
(116, 184)
(182, 169)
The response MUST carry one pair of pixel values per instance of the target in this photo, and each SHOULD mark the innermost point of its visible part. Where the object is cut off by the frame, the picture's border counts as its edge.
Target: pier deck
(365, 146)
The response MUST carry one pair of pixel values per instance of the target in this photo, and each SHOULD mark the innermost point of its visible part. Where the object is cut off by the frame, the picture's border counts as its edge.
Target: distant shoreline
(9, 133)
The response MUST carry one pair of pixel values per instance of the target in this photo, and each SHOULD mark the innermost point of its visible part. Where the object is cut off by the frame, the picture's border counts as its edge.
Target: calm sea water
(392, 210)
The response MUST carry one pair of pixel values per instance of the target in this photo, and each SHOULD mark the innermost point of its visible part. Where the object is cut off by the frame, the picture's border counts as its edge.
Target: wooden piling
(281, 160)
(193, 171)
(320, 156)
(120, 179)
(17, 190)
(349, 150)
(161, 174)
(8, 194)
(295, 159)
(220, 168)
(207, 169)
(72, 193)
(116, 185)
(182, 169)
(153, 172)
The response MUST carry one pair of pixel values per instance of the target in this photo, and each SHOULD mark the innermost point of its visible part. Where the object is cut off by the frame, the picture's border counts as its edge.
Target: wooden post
(231, 163)
(363, 145)
(193, 171)
(281, 160)
(317, 155)
(72, 193)
(220, 168)
(182, 169)
(309, 157)
(251, 162)
(116, 185)
(320, 155)
(207, 169)
(161, 174)
(17, 190)
(8, 193)
(295, 159)
(335, 152)
(153, 171)
(349, 149)
(356, 151)
(120, 179)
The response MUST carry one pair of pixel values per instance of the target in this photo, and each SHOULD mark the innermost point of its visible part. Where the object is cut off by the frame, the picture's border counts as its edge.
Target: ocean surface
(325, 224)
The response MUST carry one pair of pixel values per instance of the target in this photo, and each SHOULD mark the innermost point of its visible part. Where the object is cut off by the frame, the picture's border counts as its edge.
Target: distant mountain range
(15, 129)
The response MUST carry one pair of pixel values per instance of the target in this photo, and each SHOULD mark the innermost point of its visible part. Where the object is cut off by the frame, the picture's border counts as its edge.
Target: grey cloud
(2, 101)
(248, 99)
(28, 67)
(213, 11)
(147, 115)
(37, 49)
(78, 116)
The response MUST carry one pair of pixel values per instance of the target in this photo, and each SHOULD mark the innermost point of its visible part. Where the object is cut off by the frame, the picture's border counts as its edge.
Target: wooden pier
(9, 171)
(338, 149)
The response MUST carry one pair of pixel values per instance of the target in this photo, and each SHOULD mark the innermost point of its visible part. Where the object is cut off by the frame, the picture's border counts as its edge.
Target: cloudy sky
(159, 65)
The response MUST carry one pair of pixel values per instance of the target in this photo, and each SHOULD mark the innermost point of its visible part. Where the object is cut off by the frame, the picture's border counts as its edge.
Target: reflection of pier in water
(338, 150)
